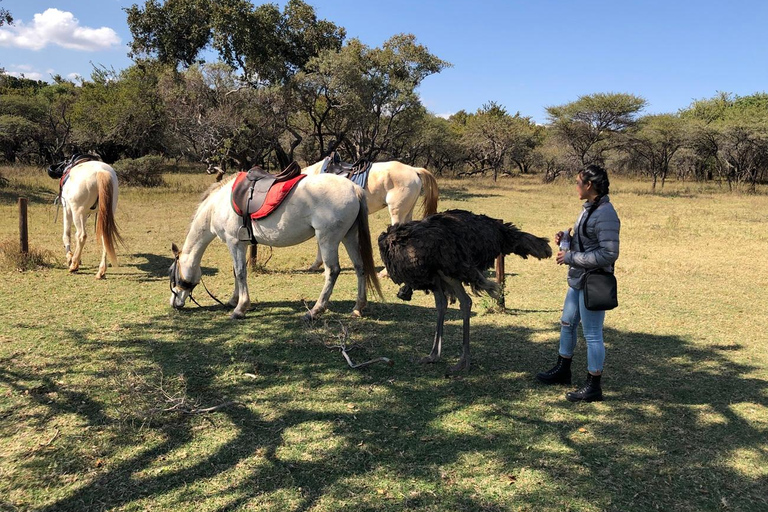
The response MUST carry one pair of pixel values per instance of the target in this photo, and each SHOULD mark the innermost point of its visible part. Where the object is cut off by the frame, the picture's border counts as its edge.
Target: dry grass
(11, 257)
(684, 426)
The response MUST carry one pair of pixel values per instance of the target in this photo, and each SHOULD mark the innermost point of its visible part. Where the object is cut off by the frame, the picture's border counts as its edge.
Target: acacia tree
(654, 144)
(731, 132)
(588, 124)
(493, 140)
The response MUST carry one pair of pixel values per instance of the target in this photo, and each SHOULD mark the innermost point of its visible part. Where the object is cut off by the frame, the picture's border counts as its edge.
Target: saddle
(61, 170)
(357, 172)
(257, 193)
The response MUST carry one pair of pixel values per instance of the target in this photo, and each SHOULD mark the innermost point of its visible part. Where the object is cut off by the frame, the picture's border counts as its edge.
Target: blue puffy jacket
(601, 243)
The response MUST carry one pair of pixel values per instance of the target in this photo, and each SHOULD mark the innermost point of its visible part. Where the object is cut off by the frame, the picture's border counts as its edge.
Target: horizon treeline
(297, 89)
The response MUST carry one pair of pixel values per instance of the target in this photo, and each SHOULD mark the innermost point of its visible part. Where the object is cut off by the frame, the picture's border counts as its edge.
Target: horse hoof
(315, 269)
(236, 315)
(428, 360)
(100, 276)
(73, 270)
(357, 314)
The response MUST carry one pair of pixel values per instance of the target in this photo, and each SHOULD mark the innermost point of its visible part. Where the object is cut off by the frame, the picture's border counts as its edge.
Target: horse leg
(103, 265)
(80, 237)
(240, 298)
(330, 254)
(66, 238)
(318, 264)
(441, 304)
(351, 244)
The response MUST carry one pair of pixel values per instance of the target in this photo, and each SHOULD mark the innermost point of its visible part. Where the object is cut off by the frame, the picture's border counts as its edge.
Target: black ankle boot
(559, 374)
(589, 392)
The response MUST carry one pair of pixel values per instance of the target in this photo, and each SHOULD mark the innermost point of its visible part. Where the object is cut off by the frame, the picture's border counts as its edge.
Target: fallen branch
(366, 363)
(342, 345)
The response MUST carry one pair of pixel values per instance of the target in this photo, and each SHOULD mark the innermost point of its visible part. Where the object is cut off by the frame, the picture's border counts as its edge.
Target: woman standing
(595, 244)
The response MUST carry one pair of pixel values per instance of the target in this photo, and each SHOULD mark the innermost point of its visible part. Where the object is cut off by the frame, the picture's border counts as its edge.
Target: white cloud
(60, 28)
(30, 75)
(445, 116)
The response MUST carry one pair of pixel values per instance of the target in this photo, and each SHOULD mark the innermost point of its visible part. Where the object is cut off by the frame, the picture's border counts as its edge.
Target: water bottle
(565, 241)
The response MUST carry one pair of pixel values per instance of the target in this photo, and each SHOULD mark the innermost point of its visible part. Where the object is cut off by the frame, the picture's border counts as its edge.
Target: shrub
(140, 172)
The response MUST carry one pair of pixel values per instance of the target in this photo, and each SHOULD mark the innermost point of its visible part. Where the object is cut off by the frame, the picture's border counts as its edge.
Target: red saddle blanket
(260, 204)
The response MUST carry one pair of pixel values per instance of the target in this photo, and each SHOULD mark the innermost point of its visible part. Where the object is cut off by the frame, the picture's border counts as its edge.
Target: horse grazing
(90, 185)
(394, 185)
(329, 207)
(446, 250)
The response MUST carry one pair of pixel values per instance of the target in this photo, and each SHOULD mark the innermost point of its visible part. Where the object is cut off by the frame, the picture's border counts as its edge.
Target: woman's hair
(598, 177)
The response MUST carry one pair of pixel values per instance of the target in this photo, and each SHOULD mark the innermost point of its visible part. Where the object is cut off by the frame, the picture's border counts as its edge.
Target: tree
(587, 125)
(362, 100)
(732, 132)
(493, 139)
(262, 43)
(5, 17)
(654, 143)
(174, 32)
(120, 114)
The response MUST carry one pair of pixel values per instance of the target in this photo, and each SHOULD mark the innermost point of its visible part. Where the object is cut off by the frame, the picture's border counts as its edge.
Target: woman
(595, 244)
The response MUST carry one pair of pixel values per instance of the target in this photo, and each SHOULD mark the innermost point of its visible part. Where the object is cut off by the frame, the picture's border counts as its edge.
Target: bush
(140, 172)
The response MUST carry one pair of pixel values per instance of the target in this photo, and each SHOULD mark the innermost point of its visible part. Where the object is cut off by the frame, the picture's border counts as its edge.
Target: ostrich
(444, 251)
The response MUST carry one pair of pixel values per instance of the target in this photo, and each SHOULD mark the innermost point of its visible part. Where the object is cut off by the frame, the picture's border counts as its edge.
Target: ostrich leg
(441, 304)
(465, 303)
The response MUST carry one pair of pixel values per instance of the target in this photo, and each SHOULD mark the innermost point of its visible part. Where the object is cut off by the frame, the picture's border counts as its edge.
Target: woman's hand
(559, 235)
(560, 258)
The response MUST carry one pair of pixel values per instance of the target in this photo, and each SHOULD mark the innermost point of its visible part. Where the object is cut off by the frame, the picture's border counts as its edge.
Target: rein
(187, 285)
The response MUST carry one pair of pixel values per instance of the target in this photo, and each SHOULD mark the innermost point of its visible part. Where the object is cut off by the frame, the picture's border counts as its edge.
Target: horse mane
(214, 187)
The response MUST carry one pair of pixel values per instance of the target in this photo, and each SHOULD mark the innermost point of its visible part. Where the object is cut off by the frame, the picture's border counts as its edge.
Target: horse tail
(106, 228)
(429, 184)
(364, 244)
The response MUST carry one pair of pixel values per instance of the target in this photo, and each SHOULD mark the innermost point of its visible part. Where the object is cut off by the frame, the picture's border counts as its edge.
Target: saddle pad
(264, 200)
(356, 175)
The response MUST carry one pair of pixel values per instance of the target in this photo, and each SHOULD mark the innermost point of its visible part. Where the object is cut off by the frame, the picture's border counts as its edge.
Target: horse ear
(175, 250)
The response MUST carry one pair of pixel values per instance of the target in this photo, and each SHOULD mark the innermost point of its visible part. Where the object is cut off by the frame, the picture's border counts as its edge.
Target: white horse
(394, 185)
(329, 207)
(90, 185)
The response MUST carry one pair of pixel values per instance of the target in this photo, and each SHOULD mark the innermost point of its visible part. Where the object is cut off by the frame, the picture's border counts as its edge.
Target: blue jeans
(574, 312)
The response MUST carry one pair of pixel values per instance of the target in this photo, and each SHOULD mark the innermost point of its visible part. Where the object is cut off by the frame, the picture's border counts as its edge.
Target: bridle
(177, 281)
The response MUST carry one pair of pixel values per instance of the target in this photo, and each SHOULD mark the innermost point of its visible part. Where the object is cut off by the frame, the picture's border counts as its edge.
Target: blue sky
(525, 55)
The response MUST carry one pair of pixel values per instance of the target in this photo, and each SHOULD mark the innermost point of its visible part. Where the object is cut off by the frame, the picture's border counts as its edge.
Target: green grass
(86, 366)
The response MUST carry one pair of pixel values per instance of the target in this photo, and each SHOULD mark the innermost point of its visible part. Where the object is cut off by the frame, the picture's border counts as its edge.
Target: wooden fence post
(500, 279)
(23, 231)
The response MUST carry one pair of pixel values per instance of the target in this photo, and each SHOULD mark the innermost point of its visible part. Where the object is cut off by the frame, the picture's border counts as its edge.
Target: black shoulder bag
(599, 285)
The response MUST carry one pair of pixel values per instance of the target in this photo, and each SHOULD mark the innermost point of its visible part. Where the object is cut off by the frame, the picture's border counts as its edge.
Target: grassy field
(87, 367)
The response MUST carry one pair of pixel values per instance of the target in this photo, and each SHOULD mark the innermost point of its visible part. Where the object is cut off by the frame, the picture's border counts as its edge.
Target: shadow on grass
(653, 450)
(461, 194)
(156, 267)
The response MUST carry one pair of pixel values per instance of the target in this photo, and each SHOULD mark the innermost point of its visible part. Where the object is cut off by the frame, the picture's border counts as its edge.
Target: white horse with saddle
(329, 207)
(86, 186)
(393, 185)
